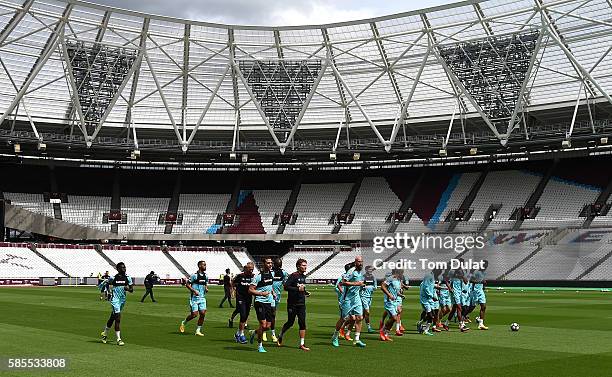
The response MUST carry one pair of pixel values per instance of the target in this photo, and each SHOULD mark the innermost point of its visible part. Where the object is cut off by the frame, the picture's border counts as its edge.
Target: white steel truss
(381, 73)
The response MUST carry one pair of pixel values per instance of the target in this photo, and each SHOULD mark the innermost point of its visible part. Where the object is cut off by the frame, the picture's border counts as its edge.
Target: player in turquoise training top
(117, 285)
(198, 287)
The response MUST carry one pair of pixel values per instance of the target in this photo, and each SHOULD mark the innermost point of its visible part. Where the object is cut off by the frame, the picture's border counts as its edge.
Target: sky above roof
(272, 12)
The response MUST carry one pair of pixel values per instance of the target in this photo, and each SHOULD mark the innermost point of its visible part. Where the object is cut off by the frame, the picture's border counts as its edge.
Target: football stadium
(421, 193)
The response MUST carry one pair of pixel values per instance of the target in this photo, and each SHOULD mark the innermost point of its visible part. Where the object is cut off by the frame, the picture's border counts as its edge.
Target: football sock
(118, 333)
(357, 336)
(301, 341)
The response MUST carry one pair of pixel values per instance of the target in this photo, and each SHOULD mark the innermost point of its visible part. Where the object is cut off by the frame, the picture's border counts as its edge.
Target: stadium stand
(76, 260)
(315, 206)
(373, 203)
(500, 187)
(561, 203)
(335, 266)
(86, 210)
(569, 259)
(31, 202)
(18, 261)
(143, 214)
(217, 259)
(200, 212)
(141, 260)
(270, 203)
(314, 255)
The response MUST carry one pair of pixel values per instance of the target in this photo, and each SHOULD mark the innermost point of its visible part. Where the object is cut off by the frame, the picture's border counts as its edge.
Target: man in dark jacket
(150, 280)
(227, 289)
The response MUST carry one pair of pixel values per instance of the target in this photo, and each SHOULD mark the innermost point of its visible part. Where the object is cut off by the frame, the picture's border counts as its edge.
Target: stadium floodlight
(473, 151)
(245, 158)
(135, 155)
(442, 153)
(356, 156)
(17, 148)
(42, 146)
(566, 144)
(233, 156)
(332, 156)
(603, 140)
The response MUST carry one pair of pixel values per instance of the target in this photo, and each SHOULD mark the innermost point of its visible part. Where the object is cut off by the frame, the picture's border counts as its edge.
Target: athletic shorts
(427, 306)
(445, 299)
(264, 311)
(457, 297)
(391, 308)
(298, 311)
(117, 306)
(478, 297)
(366, 302)
(244, 309)
(465, 299)
(352, 307)
(435, 305)
(197, 305)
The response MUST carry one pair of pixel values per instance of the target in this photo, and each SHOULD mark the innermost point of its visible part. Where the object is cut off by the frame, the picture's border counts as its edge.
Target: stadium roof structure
(497, 75)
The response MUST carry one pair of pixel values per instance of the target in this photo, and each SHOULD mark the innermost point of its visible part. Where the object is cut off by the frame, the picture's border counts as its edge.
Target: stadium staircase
(290, 205)
(175, 262)
(407, 203)
(33, 248)
(323, 263)
(233, 257)
(537, 193)
(173, 205)
(248, 218)
(348, 204)
(57, 208)
(601, 199)
(98, 249)
(116, 200)
(522, 262)
(594, 266)
(469, 199)
(232, 204)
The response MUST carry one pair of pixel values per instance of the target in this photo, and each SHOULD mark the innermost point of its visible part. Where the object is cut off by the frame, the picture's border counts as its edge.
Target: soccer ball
(514, 327)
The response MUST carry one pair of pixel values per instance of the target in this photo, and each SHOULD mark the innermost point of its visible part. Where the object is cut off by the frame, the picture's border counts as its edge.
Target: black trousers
(228, 297)
(294, 311)
(147, 293)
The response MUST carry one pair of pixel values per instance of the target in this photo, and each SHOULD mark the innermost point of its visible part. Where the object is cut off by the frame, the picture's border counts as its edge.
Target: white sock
(273, 332)
(199, 329)
(118, 333)
(427, 327)
(357, 336)
(461, 324)
(399, 323)
(241, 332)
(336, 333)
(348, 332)
(183, 322)
(261, 344)
(397, 327)
(446, 322)
(106, 330)
(301, 341)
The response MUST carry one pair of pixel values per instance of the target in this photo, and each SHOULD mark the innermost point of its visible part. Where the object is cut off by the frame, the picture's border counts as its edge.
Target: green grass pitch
(563, 333)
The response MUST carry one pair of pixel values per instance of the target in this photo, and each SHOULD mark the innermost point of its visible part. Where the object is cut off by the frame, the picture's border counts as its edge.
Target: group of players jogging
(453, 294)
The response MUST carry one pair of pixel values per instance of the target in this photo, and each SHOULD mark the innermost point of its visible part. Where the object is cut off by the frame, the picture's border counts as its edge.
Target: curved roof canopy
(469, 68)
